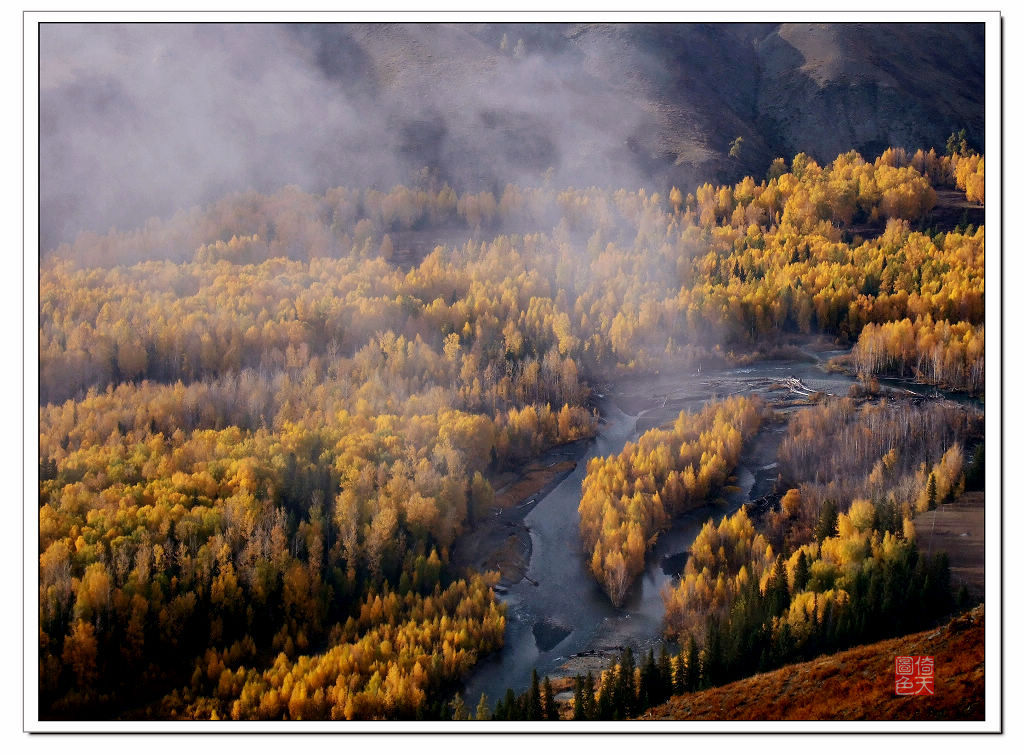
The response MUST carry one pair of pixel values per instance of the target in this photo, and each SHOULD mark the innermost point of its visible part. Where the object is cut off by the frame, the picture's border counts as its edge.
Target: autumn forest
(266, 425)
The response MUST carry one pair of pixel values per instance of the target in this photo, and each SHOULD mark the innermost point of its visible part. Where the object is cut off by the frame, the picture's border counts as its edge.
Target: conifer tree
(664, 675)
(550, 705)
(483, 713)
(604, 709)
(534, 709)
(648, 682)
(589, 703)
(579, 711)
(508, 707)
(778, 599)
(626, 686)
(692, 677)
(678, 673)
(459, 712)
(826, 521)
(800, 573)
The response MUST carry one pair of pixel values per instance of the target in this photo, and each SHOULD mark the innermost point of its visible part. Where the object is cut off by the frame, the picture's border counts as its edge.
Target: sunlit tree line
(890, 450)
(602, 278)
(750, 610)
(951, 355)
(629, 498)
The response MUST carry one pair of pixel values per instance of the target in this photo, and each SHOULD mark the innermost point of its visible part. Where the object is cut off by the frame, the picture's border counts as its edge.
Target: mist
(143, 120)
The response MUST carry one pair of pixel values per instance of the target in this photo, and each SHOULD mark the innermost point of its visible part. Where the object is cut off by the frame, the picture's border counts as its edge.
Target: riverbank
(755, 477)
(501, 542)
(669, 384)
(558, 620)
(905, 385)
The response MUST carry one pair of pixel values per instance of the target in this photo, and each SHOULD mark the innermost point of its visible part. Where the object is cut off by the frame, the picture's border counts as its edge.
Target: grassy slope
(856, 684)
(958, 529)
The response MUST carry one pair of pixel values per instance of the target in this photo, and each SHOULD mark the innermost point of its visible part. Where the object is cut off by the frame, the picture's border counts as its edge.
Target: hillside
(856, 684)
(958, 529)
(156, 121)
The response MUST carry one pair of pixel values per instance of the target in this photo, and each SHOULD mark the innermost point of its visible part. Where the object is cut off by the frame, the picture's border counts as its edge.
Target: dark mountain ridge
(142, 120)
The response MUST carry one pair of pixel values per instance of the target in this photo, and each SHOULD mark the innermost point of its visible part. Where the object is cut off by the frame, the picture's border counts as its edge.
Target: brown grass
(857, 684)
(958, 528)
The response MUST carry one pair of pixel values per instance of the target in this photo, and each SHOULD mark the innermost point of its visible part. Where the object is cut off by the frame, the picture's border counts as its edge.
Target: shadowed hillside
(163, 118)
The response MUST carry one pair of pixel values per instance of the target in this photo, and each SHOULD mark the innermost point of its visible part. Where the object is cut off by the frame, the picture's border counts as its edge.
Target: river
(560, 611)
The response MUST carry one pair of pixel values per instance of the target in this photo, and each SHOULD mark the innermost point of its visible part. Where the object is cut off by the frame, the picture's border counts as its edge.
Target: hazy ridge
(143, 120)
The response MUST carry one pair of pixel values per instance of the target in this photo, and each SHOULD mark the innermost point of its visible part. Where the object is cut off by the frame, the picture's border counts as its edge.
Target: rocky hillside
(856, 684)
(684, 91)
(142, 120)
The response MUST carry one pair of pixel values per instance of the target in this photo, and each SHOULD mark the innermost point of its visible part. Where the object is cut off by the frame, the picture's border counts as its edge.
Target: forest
(263, 425)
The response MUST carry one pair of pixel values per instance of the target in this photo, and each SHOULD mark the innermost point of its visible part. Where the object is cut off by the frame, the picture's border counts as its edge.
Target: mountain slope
(857, 684)
(685, 91)
(138, 120)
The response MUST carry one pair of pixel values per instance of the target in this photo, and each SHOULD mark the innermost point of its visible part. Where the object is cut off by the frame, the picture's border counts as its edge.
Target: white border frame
(993, 324)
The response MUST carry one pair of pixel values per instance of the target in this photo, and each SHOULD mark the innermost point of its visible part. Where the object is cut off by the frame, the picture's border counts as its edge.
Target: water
(565, 592)
(566, 599)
